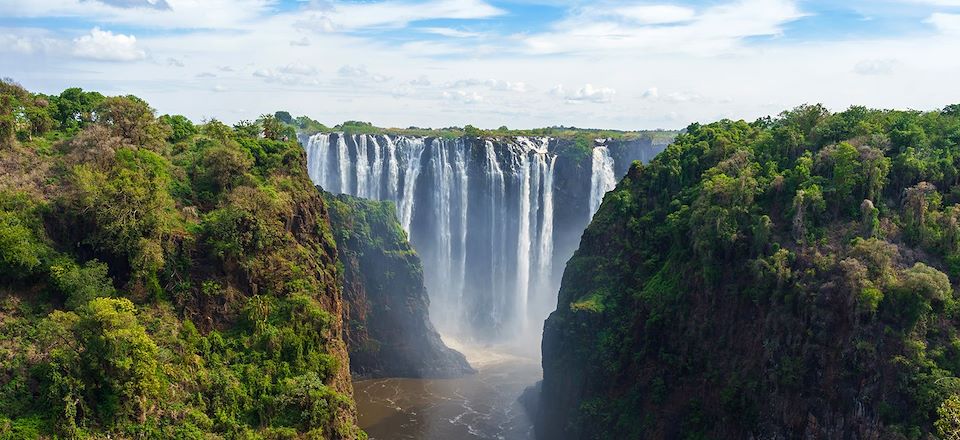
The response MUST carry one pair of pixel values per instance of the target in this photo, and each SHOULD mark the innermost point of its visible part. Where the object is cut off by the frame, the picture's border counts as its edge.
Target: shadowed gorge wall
(386, 321)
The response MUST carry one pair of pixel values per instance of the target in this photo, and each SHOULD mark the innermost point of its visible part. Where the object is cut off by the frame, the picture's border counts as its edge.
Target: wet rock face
(387, 324)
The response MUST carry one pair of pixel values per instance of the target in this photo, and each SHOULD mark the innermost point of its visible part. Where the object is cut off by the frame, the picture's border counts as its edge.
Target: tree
(224, 166)
(126, 208)
(247, 129)
(132, 119)
(284, 117)
(275, 129)
(918, 200)
(927, 282)
(102, 363)
(951, 110)
(23, 248)
(20, 251)
(471, 131)
(181, 128)
(841, 163)
(948, 418)
(81, 284)
(75, 108)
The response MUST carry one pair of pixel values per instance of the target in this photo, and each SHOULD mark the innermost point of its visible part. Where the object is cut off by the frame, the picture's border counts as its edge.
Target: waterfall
(393, 170)
(343, 159)
(362, 166)
(498, 235)
(412, 149)
(480, 212)
(318, 151)
(602, 177)
(376, 171)
(545, 261)
(463, 172)
(442, 191)
(523, 235)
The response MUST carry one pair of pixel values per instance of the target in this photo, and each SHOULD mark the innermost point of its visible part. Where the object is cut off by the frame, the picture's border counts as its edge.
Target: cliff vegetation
(794, 277)
(160, 279)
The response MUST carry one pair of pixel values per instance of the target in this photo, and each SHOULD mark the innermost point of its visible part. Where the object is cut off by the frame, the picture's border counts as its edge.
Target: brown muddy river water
(480, 406)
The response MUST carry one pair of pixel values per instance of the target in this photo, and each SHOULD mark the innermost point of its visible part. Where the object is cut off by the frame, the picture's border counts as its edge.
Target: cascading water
(480, 212)
(602, 177)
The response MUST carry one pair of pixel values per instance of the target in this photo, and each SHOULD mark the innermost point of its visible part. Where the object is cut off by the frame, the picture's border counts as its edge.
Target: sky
(521, 63)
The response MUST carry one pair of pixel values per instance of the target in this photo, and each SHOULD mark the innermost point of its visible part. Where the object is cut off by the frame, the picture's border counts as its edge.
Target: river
(480, 406)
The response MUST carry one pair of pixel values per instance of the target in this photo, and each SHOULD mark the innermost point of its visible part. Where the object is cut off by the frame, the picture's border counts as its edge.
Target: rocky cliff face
(387, 323)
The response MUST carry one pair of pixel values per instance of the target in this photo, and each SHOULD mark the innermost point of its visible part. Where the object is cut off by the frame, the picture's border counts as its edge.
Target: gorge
(791, 277)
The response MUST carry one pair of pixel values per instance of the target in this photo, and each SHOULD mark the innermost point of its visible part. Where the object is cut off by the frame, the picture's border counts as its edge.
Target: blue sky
(617, 64)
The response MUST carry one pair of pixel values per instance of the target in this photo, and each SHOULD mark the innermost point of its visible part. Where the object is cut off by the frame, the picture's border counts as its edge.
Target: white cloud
(937, 2)
(884, 66)
(301, 42)
(155, 4)
(294, 74)
(946, 23)
(343, 16)
(466, 97)
(655, 14)
(587, 93)
(651, 93)
(360, 73)
(508, 86)
(174, 62)
(180, 14)
(680, 97)
(298, 69)
(491, 84)
(421, 81)
(713, 30)
(449, 32)
(106, 46)
(21, 44)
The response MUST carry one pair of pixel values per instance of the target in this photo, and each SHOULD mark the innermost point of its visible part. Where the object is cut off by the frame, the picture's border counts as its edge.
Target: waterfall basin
(479, 406)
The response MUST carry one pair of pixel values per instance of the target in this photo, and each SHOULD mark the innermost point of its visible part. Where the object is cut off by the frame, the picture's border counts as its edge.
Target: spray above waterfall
(480, 212)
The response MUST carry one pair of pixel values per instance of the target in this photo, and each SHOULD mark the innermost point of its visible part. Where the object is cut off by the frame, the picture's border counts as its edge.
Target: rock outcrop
(387, 323)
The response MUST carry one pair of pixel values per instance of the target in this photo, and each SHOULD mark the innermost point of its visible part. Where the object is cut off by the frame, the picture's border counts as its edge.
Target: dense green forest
(160, 279)
(794, 277)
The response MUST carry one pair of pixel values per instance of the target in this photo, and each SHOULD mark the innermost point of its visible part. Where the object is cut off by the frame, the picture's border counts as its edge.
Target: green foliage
(20, 251)
(162, 279)
(102, 364)
(810, 251)
(75, 108)
(133, 120)
(181, 128)
(23, 115)
(126, 208)
(80, 284)
(948, 419)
